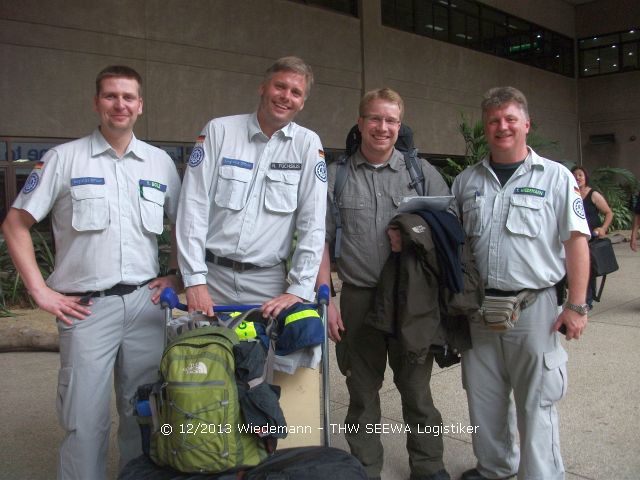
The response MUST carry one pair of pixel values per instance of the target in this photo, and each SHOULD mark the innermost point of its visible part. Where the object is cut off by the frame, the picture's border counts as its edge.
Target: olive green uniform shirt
(368, 202)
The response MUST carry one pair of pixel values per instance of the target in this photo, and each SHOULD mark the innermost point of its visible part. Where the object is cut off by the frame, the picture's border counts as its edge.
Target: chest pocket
(152, 209)
(356, 213)
(473, 215)
(90, 208)
(525, 215)
(281, 195)
(232, 189)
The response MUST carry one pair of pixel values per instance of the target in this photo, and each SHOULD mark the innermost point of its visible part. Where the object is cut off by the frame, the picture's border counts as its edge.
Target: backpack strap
(342, 172)
(415, 170)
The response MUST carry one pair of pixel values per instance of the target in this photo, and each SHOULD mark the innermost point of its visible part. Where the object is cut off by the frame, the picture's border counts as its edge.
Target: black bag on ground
(603, 262)
(305, 463)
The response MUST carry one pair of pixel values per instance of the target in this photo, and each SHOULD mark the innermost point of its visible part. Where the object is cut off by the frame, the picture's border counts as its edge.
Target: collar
(532, 160)
(253, 128)
(395, 162)
(99, 145)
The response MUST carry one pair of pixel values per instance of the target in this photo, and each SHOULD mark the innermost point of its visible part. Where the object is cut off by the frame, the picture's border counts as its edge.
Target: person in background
(636, 225)
(107, 194)
(594, 204)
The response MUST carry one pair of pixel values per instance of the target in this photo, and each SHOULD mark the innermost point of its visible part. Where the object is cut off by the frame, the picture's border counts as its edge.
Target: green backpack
(197, 422)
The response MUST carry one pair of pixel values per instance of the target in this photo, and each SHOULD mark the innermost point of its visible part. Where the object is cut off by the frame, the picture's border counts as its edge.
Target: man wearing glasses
(377, 179)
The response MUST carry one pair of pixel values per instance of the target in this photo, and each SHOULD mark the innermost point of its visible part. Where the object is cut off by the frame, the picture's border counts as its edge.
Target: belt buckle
(237, 267)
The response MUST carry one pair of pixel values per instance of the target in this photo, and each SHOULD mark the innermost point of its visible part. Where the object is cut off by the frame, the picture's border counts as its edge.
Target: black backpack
(404, 144)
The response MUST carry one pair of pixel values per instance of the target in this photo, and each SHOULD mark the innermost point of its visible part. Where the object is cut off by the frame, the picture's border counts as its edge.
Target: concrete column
(372, 44)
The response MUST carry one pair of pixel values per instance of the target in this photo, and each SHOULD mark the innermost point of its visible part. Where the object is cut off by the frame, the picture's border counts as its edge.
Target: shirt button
(379, 194)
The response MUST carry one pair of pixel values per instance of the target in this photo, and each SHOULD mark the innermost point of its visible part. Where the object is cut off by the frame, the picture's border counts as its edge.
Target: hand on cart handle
(199, 300)
(162, 283)
(273, 307)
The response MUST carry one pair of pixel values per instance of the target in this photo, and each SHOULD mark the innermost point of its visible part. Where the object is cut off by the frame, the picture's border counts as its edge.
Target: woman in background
(594, 205)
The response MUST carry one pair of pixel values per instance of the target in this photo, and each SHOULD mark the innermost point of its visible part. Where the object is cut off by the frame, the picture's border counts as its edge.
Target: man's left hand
(273, 307)
(160, 283)
(574, 322)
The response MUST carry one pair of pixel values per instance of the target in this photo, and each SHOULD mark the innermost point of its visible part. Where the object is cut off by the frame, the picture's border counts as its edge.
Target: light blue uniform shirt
(516, 230)
(244, 196)
(106, 211)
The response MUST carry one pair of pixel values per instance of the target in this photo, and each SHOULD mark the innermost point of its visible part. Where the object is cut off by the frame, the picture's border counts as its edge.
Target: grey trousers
(228, 287)
(513, 380)
(124, 335)
(362, 357)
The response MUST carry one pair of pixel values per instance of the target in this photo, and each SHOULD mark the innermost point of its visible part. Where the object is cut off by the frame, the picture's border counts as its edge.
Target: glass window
(629, 56)
(345, 6)
(590, 62)
(30, 151)
(399, 14)
(609, 59)
(473, 25)
(630, 35)
(465, 6)
(3, 151)
(174, 151)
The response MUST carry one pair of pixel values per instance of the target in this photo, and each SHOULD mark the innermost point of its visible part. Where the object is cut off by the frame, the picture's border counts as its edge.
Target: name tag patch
(536, 192)
(87, 181)
(237, 163)
(152, 184)
(286, 166)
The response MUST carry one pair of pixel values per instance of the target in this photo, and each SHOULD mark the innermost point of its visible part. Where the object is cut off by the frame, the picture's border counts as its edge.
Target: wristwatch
(582, 309)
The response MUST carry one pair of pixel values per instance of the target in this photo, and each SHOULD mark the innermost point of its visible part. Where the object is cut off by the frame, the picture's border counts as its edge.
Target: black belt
(228, 263)
(501, 293)
(119, 289)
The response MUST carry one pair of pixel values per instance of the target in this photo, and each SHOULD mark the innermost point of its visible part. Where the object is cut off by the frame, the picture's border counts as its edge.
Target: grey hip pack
(501, 313)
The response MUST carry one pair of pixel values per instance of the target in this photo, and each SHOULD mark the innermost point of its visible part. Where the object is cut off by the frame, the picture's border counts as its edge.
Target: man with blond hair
(377, 177)
(252, 181)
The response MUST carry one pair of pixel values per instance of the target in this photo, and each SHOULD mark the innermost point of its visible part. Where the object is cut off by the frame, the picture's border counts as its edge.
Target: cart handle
(169, 299)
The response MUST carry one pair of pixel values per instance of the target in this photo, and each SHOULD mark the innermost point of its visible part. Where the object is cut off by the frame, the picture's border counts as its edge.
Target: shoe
(439, 475)
(474, 474)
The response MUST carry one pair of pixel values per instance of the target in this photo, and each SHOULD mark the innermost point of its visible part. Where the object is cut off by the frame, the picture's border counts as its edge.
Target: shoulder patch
(196, 157)
(32, 182)
(321, 171)
(578, 208)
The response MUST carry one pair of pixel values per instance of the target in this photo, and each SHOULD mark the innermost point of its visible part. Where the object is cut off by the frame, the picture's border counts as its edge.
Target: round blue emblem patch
(32, 182)
(578, 208)
(196, 157)
(321, 171)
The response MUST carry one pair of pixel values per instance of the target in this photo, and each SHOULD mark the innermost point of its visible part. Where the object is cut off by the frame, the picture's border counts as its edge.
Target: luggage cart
(169, 300)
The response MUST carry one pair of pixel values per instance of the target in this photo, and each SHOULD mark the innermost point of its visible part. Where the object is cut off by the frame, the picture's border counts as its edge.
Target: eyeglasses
(376, 120)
